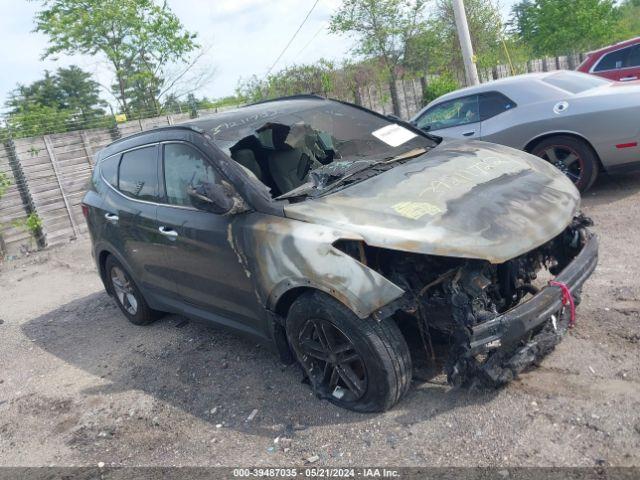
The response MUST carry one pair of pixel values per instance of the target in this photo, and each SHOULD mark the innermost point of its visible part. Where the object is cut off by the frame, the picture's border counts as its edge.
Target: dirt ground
(79, 385)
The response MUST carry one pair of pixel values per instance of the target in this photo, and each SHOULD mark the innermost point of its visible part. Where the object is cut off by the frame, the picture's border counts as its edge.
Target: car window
(109, 170)
(623, 58)
(633, 60)
(185, 166)
(452, 113)
(494, 103)
(138, 175)
(574, 82)
(611, 61)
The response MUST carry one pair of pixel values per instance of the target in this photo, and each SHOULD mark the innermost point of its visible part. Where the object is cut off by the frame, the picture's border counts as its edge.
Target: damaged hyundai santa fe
(366, 250)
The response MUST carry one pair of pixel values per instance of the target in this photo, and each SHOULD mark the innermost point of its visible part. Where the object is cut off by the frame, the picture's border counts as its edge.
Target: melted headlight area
(447, 297)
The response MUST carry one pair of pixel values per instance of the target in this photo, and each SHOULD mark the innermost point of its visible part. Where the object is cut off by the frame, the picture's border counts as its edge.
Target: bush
(32, 223)
(5, 183)
(438, 86)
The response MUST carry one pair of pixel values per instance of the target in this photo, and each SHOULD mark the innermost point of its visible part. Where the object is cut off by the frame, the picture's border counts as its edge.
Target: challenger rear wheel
(572, 156)
(359, 364)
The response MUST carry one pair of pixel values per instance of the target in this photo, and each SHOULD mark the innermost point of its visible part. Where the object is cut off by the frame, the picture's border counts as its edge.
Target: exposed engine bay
(448, 298)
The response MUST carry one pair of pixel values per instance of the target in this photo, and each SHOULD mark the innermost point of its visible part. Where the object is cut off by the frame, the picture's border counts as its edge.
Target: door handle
(469, 134)
(111, 218)
(168, 232)
(628, 79)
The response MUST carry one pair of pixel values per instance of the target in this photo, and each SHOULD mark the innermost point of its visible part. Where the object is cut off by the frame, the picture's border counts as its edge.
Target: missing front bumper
(522, 336)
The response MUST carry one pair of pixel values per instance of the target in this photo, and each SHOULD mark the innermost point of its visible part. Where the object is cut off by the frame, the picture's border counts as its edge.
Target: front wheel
(359, 364)
(572, 156)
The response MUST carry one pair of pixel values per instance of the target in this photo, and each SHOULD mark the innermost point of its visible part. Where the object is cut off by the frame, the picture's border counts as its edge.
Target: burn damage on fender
(451, 302)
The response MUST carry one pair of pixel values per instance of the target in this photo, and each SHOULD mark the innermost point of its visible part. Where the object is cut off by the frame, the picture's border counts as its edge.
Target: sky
(244, 37)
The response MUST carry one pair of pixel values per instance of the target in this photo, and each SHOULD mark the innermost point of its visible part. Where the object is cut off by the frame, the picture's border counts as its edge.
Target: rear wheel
(362, 365)
(127, 295)
(572, 156)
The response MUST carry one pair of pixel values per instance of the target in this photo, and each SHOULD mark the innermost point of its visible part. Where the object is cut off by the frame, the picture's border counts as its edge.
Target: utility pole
(470, 69)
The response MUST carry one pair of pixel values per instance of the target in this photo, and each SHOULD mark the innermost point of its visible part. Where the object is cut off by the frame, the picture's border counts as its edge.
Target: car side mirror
(211, 197)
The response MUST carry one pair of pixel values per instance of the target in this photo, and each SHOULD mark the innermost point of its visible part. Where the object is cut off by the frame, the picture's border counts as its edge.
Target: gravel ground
(80, 386)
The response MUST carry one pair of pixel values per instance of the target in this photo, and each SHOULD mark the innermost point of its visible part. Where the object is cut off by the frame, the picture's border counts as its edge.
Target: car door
(621, 65)
(200, 258)
(457, 118)
(129, 213)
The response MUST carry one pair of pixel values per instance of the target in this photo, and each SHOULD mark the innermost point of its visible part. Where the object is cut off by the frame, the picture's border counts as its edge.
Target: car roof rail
(182, 126)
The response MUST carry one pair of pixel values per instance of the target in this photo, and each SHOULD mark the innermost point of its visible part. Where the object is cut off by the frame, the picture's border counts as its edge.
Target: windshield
(574, 82)
(307, 145)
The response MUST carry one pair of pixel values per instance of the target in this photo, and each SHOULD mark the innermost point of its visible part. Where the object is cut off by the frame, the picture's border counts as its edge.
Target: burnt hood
(466, 199)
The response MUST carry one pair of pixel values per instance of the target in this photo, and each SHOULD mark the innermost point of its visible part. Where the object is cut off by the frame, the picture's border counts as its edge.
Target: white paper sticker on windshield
(394, 135)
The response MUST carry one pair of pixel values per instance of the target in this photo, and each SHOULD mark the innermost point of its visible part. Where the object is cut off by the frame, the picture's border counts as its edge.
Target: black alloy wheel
(362, 364)
(332, 361)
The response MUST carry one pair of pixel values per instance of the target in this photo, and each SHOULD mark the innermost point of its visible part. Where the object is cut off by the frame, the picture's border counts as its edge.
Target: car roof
(515, 81)
(255, 109)
(209, 122)
(523, 89)
(615, 46)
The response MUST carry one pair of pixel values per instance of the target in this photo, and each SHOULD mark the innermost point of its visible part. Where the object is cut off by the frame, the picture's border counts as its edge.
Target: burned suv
(364, 249)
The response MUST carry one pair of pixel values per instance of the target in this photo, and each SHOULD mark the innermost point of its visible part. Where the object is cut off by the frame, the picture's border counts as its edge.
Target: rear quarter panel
(604, 120)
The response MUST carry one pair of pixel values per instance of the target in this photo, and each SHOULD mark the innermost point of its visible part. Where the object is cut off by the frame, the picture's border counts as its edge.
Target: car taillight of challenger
(366, 250)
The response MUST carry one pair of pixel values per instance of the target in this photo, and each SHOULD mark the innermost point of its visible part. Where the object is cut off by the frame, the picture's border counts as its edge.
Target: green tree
(66, 99)
(34, 119)
(382, 29)
(629, 24)
(424, 53)
(138, 38)
(485, 28)
(317, 78)
(555, 27)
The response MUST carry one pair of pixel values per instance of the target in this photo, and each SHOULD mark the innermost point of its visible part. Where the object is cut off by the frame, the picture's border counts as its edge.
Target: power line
(322, 27)
(292, 38)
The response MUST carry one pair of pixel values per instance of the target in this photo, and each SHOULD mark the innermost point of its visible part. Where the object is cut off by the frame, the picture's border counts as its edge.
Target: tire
(126, 293)
(374, 351)
(566, 147)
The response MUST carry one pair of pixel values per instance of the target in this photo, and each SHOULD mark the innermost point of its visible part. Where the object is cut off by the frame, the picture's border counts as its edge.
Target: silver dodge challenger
(580, 123)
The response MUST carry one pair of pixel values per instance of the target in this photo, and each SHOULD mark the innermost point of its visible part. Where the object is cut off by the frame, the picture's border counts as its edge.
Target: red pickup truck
(620, 62)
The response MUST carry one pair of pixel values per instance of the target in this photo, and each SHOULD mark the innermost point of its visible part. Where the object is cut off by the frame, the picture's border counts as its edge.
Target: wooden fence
(49, 176)
(49, 173)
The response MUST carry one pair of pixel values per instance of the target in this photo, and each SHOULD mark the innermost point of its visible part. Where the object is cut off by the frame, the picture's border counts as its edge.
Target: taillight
(85, 211)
